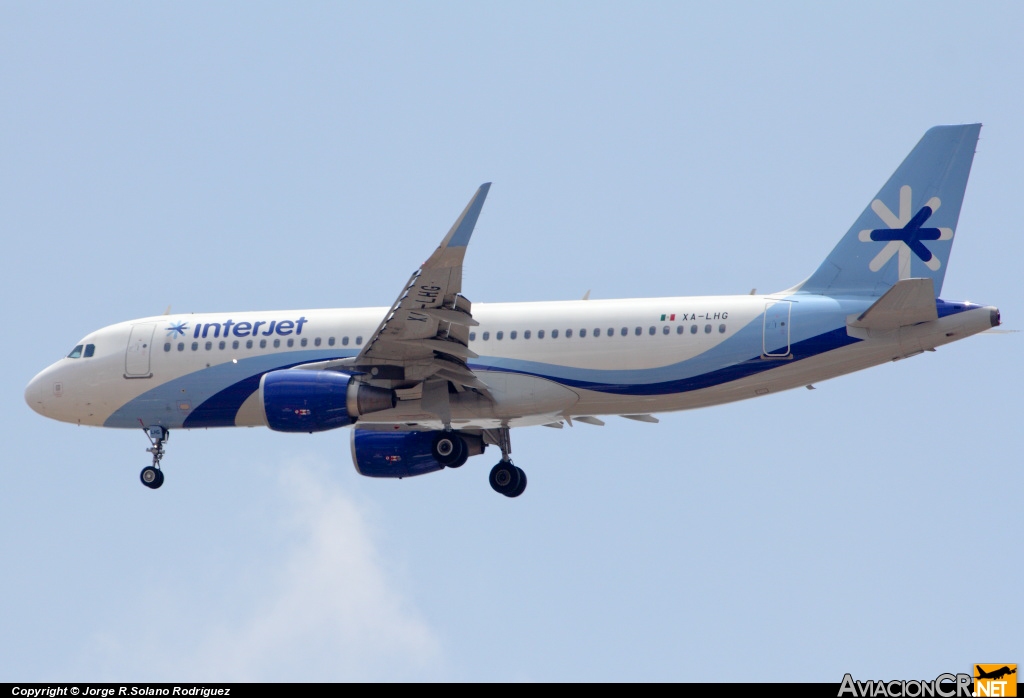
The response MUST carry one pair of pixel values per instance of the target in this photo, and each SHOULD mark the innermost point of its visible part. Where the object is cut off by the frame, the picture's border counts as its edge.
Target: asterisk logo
(179, 328)
(905, 234)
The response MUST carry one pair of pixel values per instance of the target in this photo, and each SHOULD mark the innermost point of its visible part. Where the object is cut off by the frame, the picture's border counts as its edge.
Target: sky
(231, 156)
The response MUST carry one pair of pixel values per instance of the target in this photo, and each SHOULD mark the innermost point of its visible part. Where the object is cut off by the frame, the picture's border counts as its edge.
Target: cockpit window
(76, 353)
(90, 349)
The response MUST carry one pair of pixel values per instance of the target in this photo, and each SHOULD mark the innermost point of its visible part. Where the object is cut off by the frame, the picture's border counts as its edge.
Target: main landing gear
(151, 476)
(506, 478)
(451, 451)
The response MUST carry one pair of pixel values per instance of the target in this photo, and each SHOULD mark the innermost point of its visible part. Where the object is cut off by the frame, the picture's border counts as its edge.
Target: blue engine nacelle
(299, 400)
(402, 453)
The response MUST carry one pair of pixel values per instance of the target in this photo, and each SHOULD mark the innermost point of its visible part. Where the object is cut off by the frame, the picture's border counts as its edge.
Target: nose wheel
(151, 476)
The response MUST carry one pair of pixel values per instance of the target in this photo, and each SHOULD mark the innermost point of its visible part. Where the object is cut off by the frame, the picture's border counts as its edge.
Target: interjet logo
(176, 329)
(905, 234)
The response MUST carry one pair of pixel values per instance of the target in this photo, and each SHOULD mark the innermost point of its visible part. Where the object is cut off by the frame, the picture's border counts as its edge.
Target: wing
(424, 338)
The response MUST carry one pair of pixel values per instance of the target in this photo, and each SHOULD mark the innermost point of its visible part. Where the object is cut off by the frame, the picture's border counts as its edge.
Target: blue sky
(245, 156)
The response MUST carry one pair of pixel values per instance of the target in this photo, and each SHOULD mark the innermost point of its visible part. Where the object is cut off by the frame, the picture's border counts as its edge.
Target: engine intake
(297, 400)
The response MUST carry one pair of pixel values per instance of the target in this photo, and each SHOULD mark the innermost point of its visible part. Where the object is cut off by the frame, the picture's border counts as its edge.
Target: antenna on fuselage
(168, 311)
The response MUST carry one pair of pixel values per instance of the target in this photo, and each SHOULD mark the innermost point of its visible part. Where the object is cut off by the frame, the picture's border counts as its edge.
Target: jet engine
(407, 453)
(299, 400)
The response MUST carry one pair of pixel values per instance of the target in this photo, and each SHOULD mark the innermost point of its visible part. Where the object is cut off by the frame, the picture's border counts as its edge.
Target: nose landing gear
(151, 476)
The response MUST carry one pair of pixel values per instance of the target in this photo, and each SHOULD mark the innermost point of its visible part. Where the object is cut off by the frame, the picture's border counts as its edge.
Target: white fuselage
(541, 362)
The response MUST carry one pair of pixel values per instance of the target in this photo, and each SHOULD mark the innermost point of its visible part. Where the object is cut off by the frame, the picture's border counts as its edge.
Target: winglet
(462, 230)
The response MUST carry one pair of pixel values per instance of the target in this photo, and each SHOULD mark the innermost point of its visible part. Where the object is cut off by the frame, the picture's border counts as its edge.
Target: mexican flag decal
(670, 318)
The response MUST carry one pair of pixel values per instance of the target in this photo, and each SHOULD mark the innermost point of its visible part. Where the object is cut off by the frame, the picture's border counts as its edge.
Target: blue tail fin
(907, 230)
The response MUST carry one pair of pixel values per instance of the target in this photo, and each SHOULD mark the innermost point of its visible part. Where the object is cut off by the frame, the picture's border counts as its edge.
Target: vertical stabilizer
(907, 230)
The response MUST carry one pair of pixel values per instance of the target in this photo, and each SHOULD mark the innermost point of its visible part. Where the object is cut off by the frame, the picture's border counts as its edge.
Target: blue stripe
(221, 409)
(947, 308)
(801, 350)
(214, 393)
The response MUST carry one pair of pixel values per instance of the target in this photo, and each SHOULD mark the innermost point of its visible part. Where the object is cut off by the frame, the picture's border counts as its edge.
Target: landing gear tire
(462, 459)
(450, 450)
(507, 479)
(151, 477)
(522, 484)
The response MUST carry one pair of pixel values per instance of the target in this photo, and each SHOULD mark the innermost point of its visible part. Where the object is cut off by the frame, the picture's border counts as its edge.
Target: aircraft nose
(34, 395)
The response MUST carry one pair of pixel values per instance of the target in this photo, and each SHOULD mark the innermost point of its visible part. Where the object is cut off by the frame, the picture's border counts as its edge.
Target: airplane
(994, 674)
(435, 379)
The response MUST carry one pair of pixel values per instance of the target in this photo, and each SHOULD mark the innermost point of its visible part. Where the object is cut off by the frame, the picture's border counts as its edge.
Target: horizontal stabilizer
(908, 302)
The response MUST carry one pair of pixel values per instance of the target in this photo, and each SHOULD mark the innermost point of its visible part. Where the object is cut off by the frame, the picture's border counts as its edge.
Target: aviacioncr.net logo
(943, 686)
(905, 234)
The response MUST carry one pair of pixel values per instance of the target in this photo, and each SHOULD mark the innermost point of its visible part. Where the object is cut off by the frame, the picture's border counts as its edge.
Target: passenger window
(707, 329)
(499, 335)
(167, 346)
(330, 341)
(611, 332)
(487, 335)
(277, 343)
(181, 346)
(554, 334)
(344, 341)
(568, 334)
(638, 331)
(583, 333)
(597, 331)
(624, 331)
(512, 334)
(223, 345)
(248, 344)
(664, 330)
(679, 329)
(472, 336)
(263, 344)
(90, 349)
(195, 346)
(526, 334)
(304, 342)
(234, 344)
(721, 329)
(540, 334)
(651, 330)
(693, 329)
(76, 353)
(209, 346)
(316, 342)
(291, 342)
(359, 340)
